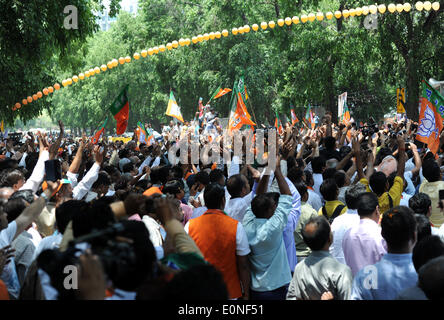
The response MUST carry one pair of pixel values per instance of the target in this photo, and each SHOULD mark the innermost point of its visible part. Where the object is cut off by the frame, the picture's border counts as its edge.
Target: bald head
(316, 233)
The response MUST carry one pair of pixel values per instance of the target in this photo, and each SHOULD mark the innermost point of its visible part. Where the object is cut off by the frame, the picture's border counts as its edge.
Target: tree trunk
(412, 90)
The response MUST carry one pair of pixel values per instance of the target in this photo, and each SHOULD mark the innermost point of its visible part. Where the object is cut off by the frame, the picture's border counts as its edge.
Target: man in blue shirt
(395, 272)
(264, 223)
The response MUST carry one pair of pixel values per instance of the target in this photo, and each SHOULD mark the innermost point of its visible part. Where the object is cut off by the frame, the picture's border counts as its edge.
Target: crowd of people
(348, 213)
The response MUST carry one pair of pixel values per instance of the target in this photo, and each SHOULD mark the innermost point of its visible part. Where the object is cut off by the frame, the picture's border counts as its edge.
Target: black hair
(172, 187)
(145, 256)
(235, 184)
(200, 282)
(159, 175)
(27, 195)
(328, 173)
(420, 203)
(203, 177)
(352, 194)
(11, 178)
(8, 164)
(121, 184)
(329, 190)
(431, 278)
(367, 203)
(318, 164)
(176, 172)
(423, 227)
(398, 227)
(103, 179)
(295, 175)
(141, 185)
(66, 211)
(216, 175)
(214, 196)
(124, 153)
(426, 249)
(291, 163)
(261, 205)
(308, 177)
(339, 177)
(316, 240)
(110, 169)
(14, 208)
(128, 167)
(329, 143)
(391, 178)
(431, 170)
(378, 182)
(97, 216)
(302, 188)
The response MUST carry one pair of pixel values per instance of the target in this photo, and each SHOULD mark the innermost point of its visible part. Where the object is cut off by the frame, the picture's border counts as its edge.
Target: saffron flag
(2, 126)
(430, 117)
(309, 116)
(278, 124)
(238, 115)
(222, 92)
(120, 110)
(173, 109)
(294, 119)
(99, 133)
(345, 118)
(242, 89)
(144, 136)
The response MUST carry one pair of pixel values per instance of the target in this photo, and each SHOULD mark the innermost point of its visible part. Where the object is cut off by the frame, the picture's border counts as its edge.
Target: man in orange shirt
(225, 246)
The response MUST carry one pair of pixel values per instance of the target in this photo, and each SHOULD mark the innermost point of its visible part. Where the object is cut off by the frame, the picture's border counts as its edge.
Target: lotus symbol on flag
(427, 126)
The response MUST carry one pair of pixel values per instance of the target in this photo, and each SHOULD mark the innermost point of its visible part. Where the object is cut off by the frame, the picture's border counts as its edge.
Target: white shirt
(339, 227)
(36, 238)
(154, 230)
(441, 232)
(314, 200)
(48, 243)
(405, 199)
(9, 275)
(38, 173)
(85, 185)
(317, 178)
(242, 246)
(237, 207)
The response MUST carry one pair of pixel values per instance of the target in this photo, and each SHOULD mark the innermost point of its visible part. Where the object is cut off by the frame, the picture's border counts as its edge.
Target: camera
(370, 130)
(118, 258)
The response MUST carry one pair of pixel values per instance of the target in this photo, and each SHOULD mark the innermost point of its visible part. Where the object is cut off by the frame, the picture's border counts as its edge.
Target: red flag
(99, 133)
(120, 111)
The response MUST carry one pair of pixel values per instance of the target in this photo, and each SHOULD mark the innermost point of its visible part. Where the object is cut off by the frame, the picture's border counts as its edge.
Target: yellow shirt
(395, 193)
(330, 206)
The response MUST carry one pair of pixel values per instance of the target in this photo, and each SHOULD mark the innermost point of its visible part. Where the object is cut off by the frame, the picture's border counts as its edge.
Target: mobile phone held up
(53, 170)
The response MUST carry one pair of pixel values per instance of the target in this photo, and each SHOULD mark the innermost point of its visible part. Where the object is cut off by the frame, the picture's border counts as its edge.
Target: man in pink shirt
(363, 244)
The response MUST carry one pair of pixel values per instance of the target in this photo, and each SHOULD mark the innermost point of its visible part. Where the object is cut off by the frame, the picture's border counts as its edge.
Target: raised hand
(56, 145)
(92, 283)
(6, 254)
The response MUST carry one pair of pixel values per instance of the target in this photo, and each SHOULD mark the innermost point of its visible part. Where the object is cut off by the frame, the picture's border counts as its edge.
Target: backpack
(336, 213)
